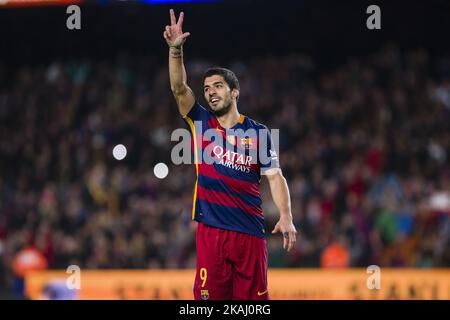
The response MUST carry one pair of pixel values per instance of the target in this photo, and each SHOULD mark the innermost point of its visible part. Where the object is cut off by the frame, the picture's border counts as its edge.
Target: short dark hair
(228, 75)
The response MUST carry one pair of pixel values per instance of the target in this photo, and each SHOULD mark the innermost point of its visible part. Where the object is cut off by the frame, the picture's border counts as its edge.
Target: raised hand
(174, 34)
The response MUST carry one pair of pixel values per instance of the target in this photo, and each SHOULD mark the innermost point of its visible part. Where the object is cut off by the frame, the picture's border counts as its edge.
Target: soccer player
(231, 246)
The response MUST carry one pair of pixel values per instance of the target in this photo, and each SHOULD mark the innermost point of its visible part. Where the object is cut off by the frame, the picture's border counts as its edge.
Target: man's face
(218, 94)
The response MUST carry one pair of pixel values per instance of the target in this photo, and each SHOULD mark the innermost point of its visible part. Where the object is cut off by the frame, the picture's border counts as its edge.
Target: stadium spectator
(335, 255)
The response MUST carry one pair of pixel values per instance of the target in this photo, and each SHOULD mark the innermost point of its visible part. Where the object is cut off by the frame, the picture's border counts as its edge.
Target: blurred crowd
(364, 146)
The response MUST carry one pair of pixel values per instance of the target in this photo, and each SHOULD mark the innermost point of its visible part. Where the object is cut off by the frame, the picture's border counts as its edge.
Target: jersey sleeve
(197, 113)
(268, 158)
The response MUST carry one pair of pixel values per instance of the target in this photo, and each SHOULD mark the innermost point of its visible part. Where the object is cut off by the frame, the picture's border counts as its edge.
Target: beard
(224, 110)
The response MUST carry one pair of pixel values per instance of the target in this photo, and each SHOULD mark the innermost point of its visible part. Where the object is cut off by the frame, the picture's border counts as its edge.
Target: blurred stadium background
(364, 144)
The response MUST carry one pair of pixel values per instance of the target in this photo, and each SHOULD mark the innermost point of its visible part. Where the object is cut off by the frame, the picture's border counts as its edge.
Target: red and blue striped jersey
(226, 193)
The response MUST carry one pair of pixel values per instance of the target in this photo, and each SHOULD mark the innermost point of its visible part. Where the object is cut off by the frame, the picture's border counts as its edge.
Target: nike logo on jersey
(262, 293)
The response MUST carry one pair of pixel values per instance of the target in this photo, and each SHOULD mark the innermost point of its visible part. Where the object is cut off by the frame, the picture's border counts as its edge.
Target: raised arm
(175, 39)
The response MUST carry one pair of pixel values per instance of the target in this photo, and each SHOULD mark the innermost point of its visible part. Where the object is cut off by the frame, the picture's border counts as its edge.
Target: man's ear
(235, 93)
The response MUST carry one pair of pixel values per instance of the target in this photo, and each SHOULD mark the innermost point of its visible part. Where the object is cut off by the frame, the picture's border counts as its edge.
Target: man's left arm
(280, 194)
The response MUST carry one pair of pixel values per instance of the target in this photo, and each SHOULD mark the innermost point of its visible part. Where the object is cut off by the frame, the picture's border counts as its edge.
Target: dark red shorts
(230, 265)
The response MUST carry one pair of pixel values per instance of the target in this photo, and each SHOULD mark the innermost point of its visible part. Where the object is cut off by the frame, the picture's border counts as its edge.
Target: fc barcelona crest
(204, 294)
(247, 143)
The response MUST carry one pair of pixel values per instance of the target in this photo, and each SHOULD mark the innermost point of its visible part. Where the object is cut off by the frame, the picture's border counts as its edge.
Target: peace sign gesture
(173, 34)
